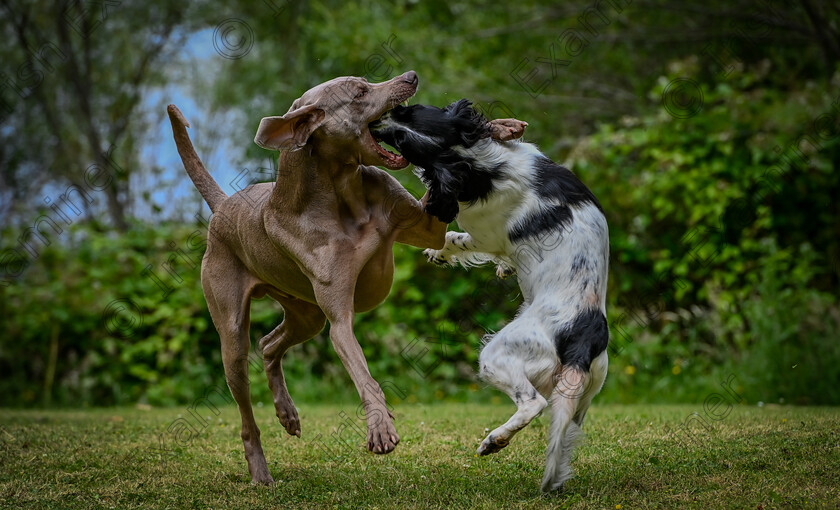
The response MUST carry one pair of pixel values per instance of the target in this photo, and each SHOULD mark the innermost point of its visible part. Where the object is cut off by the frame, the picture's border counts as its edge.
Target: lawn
(753, 457)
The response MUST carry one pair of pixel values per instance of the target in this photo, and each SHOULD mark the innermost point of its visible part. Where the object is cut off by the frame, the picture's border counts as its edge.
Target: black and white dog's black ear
(445, 182)
(471, 125)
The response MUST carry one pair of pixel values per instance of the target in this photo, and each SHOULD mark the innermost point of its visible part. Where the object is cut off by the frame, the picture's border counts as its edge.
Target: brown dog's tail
(205, 184)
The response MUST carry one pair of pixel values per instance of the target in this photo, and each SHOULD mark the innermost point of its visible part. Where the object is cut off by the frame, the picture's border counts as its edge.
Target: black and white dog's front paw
(437, 257)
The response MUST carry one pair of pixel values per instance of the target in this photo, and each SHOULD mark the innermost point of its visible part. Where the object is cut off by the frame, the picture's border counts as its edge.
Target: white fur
(521, 359)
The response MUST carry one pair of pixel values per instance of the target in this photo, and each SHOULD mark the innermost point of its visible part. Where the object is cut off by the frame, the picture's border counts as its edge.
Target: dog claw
(288, 416)
(381, 440)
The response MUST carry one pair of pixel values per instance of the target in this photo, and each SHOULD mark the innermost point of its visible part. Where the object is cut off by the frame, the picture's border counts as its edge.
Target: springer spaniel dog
(530, 216)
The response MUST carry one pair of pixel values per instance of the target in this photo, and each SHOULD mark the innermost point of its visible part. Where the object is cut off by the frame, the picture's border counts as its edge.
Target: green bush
(722, 247)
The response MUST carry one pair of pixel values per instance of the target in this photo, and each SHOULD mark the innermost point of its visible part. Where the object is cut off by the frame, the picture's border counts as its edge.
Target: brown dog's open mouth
(392, 160)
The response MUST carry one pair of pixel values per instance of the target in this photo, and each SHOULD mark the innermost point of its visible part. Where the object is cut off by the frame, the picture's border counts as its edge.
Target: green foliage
(120, 339)
(160, 349)
(723, 249)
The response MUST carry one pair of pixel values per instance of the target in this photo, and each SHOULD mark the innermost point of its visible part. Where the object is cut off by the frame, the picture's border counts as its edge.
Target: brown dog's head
(336, 114)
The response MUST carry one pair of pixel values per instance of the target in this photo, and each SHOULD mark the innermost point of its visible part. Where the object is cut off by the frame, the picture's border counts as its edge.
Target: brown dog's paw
(262, 479)
(507, 129)
(259, 470)
(288, 416)
(383, 438)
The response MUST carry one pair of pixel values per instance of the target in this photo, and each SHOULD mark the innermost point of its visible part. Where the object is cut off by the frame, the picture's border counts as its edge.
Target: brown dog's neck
(308, 179)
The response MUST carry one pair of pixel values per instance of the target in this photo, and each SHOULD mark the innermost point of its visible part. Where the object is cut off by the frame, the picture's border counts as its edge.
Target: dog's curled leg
(301, 321)
(503, 367)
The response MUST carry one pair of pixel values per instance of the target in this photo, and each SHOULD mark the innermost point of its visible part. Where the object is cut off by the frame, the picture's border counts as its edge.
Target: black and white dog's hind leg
(520, 360)
(570, 399)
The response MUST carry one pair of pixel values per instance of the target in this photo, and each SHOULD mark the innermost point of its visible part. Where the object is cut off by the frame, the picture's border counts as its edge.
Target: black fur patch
(583, 340)
(453, 179)
(546, 219)
(558, 182)
(555, 183)
(478, 183)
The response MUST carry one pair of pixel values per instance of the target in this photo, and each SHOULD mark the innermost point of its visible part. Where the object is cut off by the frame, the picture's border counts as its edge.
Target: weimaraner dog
(318, 241)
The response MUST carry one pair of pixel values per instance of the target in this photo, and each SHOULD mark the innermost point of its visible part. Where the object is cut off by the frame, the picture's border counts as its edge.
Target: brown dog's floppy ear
(291, 131)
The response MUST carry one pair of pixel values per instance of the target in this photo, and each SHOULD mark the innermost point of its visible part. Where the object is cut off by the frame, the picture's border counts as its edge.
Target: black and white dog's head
(427, 136)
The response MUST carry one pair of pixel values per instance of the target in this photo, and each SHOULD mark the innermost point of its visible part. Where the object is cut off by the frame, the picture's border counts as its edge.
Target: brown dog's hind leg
(227, 287)
(301, 321)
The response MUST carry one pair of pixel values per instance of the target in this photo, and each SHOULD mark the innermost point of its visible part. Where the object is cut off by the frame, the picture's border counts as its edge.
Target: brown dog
(318, 241)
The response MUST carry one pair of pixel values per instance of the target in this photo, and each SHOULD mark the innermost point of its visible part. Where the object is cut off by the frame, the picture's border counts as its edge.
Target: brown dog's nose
(410, 77)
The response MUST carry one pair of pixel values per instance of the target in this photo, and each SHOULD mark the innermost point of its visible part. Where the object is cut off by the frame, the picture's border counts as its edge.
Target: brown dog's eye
(360, 94)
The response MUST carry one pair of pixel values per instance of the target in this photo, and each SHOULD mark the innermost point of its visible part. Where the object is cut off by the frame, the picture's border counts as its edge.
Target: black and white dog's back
(524, 212)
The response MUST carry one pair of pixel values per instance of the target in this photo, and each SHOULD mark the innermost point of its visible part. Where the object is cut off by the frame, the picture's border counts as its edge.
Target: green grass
(770, 457)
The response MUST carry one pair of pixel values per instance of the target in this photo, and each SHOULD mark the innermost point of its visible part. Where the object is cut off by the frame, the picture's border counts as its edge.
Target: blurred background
(710, 131)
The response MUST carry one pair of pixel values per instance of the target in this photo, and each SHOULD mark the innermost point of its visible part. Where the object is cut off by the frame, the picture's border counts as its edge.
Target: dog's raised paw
(436, 257)
(492, 444)
(288, 416)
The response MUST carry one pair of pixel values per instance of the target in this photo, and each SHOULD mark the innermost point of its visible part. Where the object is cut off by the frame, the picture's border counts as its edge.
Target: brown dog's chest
(365, 256)
(375, 278)
(299, 257)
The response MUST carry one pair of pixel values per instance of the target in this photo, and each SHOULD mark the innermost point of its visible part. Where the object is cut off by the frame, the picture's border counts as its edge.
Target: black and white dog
(528, 214)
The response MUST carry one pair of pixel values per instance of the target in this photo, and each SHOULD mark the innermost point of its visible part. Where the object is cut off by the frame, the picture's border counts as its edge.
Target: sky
(172, 190)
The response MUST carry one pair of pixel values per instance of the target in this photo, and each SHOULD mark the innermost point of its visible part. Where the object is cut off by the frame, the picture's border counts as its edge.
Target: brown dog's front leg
(424, 230)
(382, 436)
